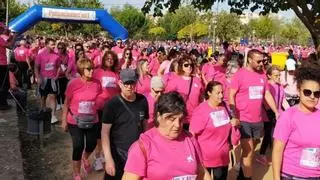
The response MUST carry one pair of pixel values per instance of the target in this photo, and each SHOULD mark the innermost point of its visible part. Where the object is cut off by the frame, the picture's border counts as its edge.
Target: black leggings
(267, 138)
(81, 137)
(219, 173)
(23, 77)
(4, 84)
(62, 84)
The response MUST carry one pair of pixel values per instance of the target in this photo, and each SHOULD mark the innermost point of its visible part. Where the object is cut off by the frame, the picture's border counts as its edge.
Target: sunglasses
(60, 48)
(89, 68)
(118, 42)
(308, 92)
(157, 92)
(260, 61)
(187, 65)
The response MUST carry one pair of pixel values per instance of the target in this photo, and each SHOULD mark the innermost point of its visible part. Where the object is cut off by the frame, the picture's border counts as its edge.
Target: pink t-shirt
(278, 95)
(220, 73)
(82, 96)
(97, 61)
(208, 71)
(64, 59)
(135, 54)
(151, 102)
(212, 128)
(250, 89)
(109, 83)
(133, 64)
(49, 63)
(181, 85)
(154, 66)
(300, 134)
(72, 67)
(118, 51)
(143, 85)
(3, 52)
(166, 66)
(165, 159)
(21, 54)
(33, 52)
(226, 89)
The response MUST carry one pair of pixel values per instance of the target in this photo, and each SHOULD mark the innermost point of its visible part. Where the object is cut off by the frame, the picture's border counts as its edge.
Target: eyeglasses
(89, 68)
(157, 92)
(187, 65)
(260, 61)
(308, 92)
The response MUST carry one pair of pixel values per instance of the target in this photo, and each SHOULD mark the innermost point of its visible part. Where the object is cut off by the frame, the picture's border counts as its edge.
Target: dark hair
(308, 71)
(210, 87)
(49, 40)
(172, 65)
(171, 102)
(252, 52)
(124, 53)
(172, 54)
(115, 60)
(78, 44)
(64, 47)
(181, 60)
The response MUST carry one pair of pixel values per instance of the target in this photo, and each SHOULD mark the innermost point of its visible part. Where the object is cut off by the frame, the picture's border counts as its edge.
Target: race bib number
(310, 157)
(86, 107)
(219, 118)
(108, 82)
(255, 92)
(186, 177)
(21, 52)
(49, 67)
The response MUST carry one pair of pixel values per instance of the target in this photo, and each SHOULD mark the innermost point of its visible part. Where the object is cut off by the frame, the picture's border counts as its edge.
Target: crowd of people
(167, 110)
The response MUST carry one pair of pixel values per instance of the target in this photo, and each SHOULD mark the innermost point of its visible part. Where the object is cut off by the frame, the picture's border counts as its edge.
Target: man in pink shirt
(21, 55)
(4, 73)
(47, 70)
(118, 49)
(247, 92)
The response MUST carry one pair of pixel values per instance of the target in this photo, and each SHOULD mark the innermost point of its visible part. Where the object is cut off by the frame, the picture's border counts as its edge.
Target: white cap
(291, 65)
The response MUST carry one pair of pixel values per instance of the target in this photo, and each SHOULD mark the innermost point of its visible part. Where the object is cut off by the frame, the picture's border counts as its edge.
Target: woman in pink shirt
(143, 84)
(62, 80)
(273, 74)
(157, 88)
(144, 54)
(108, 78)
(127, 61)
(80, 117)
(21, 55)
(188, 85)
(296, 148)
(166, 151)
(213, 128)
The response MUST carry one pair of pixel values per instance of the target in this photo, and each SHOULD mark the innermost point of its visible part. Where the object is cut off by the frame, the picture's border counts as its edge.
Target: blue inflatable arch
(56, 14)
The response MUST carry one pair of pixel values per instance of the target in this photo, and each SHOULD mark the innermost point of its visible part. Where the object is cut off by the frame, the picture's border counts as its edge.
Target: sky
(139, 3)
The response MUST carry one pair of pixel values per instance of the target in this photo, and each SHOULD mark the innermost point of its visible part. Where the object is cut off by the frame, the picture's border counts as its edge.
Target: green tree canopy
(194, 30)
(263, 27)
(157, 31)
(174, 22)
(228, 26)
(308, 11)
(132, 19)
(15, 9)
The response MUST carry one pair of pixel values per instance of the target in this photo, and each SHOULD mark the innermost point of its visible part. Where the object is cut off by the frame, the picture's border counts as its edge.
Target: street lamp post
(7, 12)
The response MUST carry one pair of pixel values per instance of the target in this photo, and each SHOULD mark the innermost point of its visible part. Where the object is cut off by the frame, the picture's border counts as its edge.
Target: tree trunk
(316, 40)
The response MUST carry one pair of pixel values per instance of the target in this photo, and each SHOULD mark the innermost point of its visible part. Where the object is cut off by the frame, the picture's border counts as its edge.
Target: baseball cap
(291, 65)
(157, 83)
(127, 75)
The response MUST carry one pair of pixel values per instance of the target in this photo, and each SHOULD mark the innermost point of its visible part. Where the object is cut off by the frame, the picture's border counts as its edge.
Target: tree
(264, 27)
(308, 11)
(157, 31)
(132, 19)
(193, 30)
(15, 9)
(227, 26)
(173, 22)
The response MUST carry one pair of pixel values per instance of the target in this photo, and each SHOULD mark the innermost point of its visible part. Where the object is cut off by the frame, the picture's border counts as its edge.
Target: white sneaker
(54, 119)
(98, 164)
(59, 107)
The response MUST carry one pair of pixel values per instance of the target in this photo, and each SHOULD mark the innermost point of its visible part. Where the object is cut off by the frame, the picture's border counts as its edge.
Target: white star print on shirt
(190, 159)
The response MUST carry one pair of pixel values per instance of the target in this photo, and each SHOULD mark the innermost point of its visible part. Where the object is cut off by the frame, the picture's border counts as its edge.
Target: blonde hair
(82, 64)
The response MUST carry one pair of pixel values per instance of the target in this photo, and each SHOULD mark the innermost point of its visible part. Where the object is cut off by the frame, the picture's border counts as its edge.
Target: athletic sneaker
(86, 167)
(98, 164)
(54, 119)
